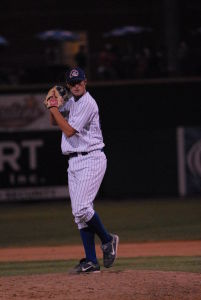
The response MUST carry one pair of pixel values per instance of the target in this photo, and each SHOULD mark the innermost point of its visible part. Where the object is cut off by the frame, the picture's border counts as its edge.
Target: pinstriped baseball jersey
(85, 172)
(83, 116)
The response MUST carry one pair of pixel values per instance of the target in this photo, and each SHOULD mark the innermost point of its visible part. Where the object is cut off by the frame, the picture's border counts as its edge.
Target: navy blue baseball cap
(75, 75)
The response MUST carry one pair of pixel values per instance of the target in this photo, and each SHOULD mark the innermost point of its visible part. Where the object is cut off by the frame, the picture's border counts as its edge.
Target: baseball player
(82, 142)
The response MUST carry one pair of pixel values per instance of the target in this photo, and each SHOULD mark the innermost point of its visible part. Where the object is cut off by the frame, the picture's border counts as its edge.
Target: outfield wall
(140, 121)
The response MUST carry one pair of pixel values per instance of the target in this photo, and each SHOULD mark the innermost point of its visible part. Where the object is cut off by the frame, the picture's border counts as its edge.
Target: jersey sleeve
(81, 115)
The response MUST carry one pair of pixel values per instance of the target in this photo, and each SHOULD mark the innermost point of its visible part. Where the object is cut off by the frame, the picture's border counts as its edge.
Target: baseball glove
(56, 96)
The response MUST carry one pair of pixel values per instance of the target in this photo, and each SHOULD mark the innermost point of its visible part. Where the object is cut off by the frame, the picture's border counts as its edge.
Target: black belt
(75, 154)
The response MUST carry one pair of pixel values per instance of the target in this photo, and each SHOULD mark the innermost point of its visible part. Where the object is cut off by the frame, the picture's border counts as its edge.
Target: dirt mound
(107, 285)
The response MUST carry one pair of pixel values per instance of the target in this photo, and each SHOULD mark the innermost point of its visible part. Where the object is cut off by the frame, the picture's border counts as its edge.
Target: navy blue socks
(96, 224)
(88, 240)
(88, 237)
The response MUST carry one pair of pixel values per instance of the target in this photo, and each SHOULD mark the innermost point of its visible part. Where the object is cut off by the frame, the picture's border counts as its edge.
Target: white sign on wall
(31, 163)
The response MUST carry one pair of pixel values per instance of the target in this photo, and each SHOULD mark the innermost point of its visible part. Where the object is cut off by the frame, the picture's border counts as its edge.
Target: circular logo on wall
(194, 159)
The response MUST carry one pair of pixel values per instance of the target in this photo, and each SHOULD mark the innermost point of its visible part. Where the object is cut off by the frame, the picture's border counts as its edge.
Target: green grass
(51, 223)
(182, 264)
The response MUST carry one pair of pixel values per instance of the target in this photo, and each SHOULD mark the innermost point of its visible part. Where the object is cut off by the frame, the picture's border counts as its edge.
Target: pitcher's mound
(107, 285)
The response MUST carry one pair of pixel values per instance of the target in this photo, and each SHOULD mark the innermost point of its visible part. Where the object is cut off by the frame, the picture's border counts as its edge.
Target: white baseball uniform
(87, 169)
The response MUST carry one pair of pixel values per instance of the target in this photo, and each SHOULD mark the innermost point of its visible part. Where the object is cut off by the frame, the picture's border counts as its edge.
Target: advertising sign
(31, 163)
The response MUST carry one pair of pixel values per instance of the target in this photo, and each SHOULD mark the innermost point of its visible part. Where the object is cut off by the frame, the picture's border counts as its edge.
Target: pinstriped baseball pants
(85, 174)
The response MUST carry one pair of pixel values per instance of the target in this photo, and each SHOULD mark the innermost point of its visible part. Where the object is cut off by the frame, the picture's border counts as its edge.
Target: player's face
(78, 88)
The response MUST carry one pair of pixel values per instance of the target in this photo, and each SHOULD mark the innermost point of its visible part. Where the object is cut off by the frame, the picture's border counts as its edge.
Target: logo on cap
(74, 73)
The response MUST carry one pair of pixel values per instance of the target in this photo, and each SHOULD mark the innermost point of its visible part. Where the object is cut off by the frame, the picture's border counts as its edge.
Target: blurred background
(110, 39)
(143, 63)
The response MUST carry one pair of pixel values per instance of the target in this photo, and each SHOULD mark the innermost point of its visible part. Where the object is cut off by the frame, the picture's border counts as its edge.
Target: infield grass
(181, 264)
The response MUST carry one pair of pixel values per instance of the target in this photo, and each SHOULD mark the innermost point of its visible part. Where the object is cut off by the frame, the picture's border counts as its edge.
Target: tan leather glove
(56, 96)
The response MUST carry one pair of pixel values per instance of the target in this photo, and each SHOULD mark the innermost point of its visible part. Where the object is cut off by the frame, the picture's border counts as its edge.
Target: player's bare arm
(52, 120)
(61, 122)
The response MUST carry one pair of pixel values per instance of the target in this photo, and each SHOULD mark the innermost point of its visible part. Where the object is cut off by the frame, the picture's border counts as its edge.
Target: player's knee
(83, 215)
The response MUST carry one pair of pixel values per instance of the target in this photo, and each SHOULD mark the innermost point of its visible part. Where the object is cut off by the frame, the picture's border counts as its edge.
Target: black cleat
(110, 251)
(85, 267)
